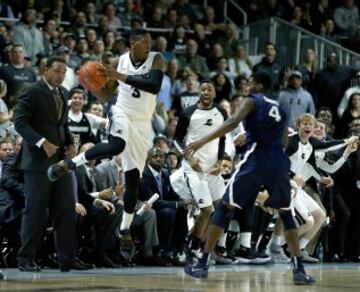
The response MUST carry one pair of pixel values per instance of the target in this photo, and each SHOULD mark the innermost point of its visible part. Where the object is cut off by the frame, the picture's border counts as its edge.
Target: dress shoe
(75, 264)
(29, 266)
(103, 261)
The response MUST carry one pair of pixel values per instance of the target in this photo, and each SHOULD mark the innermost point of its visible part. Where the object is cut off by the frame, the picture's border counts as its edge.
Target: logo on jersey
(119, 131)
(209, 122)
(302, 155)
(201, 201)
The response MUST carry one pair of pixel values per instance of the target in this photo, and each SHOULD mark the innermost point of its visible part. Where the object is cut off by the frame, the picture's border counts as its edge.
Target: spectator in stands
(30, 37)
(223, 87)
(178, 41)
(164, 95)
(209, 21)
(5, 115)
(15, 74)
(50, 34)
(104, 25)
(295, 100)
(320, 12)
(230, 41)
(83, 124)
(345, 100)
(346, 18)
(328, 30)
(299, 19)
(6, 148)
(354, 42)
(109, 39)
(308, 69)
(170, 128)
(202, 40)
(169, 207)
(108, 58)
(240, 64)
(241, 84)
(78, 27)
(92, 17)
(172, 161)
(184, 8)
(171, 18)
(120, 46)
(161, 46)
(156, 19)
(193, 59)
(222, 66)
(351, 117)
(188, 97)
(98, 50)
(269, 65)
(109, 10)
(91, 37)
(216, 52)
(179, 86)
(330, 84)
(129, 13)
(161, 142)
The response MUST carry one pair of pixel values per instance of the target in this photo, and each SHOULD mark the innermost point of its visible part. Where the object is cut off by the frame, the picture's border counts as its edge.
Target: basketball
(89, 76)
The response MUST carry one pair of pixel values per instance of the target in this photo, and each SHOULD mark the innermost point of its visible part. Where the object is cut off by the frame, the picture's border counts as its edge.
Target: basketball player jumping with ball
(140, 74)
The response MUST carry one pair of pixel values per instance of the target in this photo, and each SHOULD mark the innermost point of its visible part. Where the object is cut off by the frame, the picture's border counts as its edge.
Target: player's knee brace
(288, 220)
(222, 216)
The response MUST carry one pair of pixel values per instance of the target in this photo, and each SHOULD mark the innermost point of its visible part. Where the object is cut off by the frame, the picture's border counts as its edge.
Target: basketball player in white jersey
(138, 79)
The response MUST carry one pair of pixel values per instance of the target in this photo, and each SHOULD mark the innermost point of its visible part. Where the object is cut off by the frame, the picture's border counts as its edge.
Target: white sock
(303, 242)
(126, 221)
(79, 159)
(275, 240)
(222, 240)
(245, 239)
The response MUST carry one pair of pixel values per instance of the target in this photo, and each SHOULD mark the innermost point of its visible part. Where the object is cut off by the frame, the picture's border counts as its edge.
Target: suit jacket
(12, 200)
(85, 185)
(148, 187)
(109, 170)
(36, 116)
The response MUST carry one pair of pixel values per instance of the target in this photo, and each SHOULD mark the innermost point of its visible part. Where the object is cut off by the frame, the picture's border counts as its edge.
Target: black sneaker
(246, 255)
(300, 277)
(59, 169)
(127, 248)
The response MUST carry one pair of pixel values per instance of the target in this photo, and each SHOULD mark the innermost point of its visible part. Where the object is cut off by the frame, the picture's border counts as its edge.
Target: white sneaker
(306, 258)
(222, 259)
(278, 256)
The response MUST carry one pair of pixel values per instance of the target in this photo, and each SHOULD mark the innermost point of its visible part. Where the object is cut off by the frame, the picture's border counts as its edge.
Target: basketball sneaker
(300, 277)
(277, 255)
(306, 258)
(59, 169)
(127, 247)
(246, 255)
(198, 270)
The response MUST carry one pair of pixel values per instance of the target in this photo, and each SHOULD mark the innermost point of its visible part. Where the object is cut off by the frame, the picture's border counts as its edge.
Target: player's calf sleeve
(287, 219)
(106, 150)
(222, 216)
(132, 178)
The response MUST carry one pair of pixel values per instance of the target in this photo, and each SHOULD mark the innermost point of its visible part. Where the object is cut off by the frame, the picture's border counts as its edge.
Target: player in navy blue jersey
(264, 165)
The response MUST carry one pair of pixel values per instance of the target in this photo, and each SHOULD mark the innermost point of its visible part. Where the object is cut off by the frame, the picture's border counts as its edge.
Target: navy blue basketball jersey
(266, 124)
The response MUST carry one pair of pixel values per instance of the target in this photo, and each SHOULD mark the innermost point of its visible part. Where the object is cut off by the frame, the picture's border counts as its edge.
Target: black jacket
(36, 116)
(12, 200)
(148, 187)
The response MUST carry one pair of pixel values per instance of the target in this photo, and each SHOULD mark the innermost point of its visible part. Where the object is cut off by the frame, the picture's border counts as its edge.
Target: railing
(292, 42)
(232, 13)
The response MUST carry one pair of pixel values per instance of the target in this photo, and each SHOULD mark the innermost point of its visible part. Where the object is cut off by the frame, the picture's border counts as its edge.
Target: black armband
(150, 82)
(291, 174)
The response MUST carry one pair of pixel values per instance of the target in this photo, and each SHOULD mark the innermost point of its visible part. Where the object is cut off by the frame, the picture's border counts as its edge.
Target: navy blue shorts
(268, 168)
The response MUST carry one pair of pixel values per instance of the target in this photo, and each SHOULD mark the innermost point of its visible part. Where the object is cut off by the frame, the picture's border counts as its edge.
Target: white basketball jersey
(137, 104)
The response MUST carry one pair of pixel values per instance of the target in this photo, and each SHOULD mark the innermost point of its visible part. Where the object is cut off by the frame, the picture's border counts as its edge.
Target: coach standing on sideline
(41, 119)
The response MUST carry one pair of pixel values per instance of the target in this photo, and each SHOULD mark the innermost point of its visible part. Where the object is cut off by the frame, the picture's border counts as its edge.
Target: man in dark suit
(170, 209)
(100, 213)
(41, 119)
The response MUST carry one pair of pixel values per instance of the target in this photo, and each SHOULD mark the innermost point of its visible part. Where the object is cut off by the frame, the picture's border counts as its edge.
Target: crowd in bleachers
(197, 44)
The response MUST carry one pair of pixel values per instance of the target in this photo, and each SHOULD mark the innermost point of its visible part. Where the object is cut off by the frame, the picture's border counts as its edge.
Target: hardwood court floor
(330, 277)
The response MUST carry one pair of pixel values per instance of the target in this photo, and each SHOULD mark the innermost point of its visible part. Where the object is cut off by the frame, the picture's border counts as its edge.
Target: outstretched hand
(192, 148)
(110, 73)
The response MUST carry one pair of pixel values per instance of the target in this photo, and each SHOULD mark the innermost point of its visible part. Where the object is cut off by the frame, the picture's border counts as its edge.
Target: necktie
(159, 184)
(58, 102)
(92, 179)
